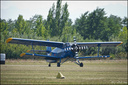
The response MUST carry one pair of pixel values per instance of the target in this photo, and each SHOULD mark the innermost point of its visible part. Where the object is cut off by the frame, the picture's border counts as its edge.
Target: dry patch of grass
(38, 72)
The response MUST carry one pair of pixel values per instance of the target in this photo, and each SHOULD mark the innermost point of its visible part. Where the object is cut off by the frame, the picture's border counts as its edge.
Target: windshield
(57, 50)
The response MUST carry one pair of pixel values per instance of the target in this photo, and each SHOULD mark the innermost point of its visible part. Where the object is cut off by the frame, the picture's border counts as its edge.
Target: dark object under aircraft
(63, 51)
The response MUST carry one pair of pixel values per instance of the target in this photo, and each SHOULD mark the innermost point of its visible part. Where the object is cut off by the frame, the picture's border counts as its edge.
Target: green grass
(38, 72)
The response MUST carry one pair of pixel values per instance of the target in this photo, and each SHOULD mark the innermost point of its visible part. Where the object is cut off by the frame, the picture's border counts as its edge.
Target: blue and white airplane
(63, 51)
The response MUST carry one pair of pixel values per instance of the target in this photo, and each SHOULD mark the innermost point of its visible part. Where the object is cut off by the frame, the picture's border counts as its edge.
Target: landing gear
(49, 65)
(78, 63)
(58, 64)
(81, 64)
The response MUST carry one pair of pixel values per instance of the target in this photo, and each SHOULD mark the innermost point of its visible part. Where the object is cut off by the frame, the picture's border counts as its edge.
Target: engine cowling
(75, 48)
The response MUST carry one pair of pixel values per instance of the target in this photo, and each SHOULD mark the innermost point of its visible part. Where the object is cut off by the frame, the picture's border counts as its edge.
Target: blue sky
(12, 9)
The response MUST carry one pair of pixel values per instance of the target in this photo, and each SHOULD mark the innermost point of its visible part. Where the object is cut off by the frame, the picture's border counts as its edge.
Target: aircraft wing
(40, 55)
(34, 42)
(101, 44)
(59, 44)
(94, 57)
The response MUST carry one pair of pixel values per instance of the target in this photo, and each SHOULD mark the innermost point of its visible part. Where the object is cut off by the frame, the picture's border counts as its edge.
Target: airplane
(63, 51)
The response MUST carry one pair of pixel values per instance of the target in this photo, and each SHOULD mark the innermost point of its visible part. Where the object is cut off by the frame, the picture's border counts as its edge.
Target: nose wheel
(81, 64)
(78, 63)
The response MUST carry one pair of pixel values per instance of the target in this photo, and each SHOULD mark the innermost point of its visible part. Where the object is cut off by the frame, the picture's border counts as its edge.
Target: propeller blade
(75, 47)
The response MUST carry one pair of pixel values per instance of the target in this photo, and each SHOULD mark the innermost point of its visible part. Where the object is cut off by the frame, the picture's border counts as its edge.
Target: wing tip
(22, 54)
(8, 40)
(120, 43)
(28, 50)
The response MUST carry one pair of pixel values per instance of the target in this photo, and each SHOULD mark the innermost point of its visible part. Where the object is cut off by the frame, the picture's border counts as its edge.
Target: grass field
(38, 72)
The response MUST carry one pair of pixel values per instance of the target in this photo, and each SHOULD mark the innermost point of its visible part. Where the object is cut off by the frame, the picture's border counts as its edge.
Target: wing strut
(98, 49)
(32, 48)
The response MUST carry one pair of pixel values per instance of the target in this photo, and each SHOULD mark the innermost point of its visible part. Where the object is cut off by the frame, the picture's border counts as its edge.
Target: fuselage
(60, 52)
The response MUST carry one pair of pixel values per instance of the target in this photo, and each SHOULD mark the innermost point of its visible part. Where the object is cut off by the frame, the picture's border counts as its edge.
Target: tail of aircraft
(48, 49)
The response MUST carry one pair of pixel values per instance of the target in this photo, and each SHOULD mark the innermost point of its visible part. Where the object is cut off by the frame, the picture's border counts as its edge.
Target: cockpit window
(57, 50)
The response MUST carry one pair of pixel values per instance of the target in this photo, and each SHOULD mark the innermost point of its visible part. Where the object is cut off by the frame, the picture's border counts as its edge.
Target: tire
(49, 65)
(81, 64)
(58, 64)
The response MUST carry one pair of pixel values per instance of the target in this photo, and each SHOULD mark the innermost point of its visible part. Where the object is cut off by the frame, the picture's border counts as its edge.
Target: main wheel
(58, 64)
(81, 64)
(49, 65)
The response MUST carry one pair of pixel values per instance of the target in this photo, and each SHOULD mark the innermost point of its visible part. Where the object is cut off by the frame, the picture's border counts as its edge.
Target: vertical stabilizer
(48, 49)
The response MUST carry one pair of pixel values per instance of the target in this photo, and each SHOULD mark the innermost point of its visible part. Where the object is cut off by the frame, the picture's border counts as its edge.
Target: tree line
(90, 26)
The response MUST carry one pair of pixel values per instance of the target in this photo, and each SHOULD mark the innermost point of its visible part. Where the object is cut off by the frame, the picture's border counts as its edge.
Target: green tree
(20, 25)
(11, 25)
(123, 36)
(64, 18)
(40, 29)
(3, 29)
(81, 25)
(93, 25)
(50, 23)
(66, 33)
(125, 22)
(3, 25)
(114, 25)
(57, 18)
(97, 24)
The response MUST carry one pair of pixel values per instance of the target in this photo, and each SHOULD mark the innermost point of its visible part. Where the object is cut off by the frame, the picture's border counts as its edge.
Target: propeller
(74, 47)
